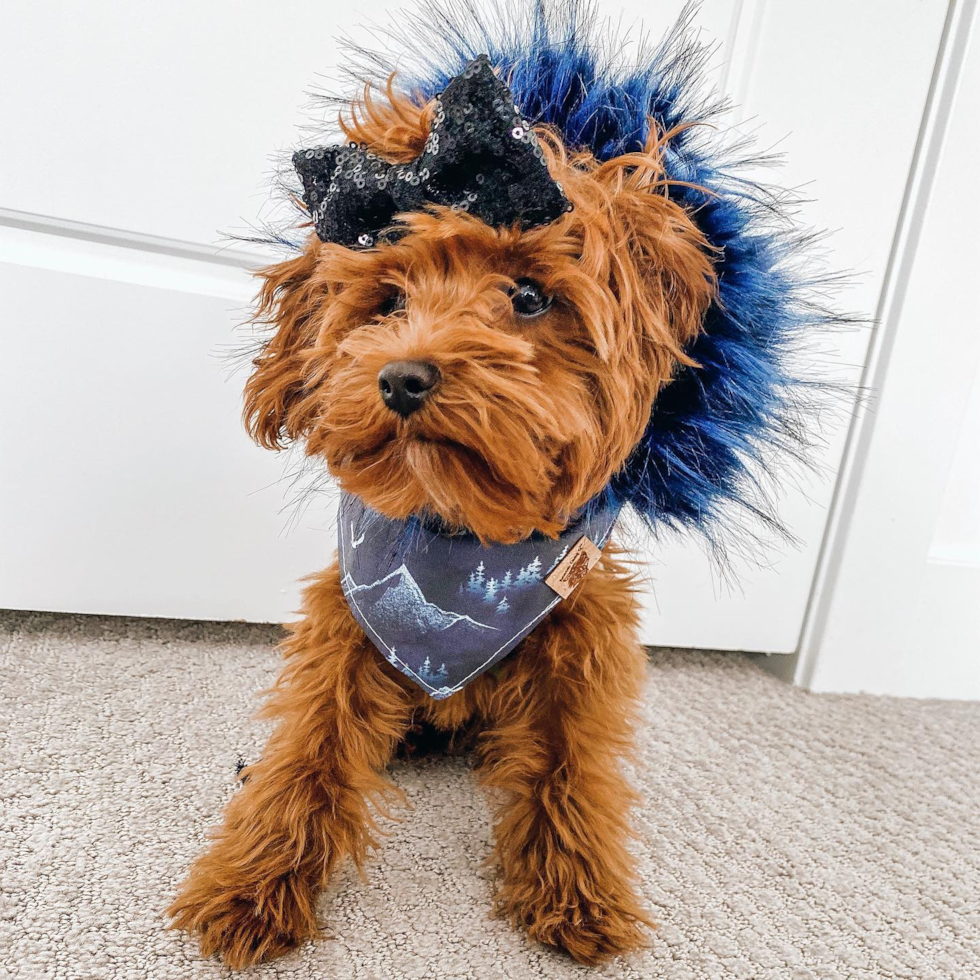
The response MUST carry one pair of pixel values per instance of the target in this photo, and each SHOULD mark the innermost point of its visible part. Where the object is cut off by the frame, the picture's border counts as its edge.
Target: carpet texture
(784, 835)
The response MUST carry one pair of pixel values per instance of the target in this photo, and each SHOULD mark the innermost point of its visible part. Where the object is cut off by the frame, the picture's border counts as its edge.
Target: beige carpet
(784, 835)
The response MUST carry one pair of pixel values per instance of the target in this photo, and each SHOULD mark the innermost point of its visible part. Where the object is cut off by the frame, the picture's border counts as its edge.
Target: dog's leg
(304, 805)
(560, 721)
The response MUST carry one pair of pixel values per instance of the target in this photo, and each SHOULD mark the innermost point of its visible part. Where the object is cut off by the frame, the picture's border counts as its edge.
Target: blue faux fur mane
(718, 430)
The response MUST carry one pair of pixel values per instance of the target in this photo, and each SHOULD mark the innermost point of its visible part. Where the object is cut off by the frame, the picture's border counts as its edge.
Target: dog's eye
(392, 303)
(528, 298)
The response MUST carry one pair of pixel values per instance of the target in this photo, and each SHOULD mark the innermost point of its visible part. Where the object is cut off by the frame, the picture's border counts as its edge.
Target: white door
(897, 609)
(134, 134)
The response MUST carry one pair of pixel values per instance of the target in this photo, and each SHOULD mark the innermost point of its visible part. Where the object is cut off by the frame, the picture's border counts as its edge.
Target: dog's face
(492, 378)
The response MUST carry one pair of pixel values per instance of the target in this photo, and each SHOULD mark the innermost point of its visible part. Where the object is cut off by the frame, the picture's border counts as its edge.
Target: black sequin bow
(481, 156)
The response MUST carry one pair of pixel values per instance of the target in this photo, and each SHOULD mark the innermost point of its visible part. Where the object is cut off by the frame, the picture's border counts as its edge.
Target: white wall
(957, 535)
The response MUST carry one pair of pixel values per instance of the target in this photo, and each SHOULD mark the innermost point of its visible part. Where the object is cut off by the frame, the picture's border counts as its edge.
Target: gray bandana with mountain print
(444, 608)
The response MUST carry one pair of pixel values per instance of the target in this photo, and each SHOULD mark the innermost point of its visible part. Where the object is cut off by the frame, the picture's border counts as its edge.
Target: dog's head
(493, 378)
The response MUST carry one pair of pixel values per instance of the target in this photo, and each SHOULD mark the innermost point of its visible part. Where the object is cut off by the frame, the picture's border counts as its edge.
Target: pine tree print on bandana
(443, 609)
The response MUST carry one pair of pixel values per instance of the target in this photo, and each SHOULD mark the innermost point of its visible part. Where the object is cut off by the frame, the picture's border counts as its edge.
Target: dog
(474, 339)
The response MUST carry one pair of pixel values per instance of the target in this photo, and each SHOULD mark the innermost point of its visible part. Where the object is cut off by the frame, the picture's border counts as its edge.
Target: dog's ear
(662, 267)
(277, 395)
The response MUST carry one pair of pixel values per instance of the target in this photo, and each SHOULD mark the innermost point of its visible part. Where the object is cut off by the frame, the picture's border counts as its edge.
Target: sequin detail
(481, 156)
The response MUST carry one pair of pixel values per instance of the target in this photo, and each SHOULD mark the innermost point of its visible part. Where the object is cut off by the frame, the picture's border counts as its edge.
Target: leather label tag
(567, 574)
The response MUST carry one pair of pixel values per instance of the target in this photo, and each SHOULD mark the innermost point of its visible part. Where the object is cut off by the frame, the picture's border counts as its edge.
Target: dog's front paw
(590, 927)
(245, 925)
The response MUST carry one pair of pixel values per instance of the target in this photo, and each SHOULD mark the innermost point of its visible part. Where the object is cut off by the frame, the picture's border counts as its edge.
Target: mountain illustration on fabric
(398, 607)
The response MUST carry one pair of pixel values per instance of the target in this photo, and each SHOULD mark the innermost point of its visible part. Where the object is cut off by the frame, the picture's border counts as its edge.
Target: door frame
(852, 636)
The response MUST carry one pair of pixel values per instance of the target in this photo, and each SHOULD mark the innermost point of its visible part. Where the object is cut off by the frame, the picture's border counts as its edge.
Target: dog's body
(554, 720)
(530, 419)
(496, 380)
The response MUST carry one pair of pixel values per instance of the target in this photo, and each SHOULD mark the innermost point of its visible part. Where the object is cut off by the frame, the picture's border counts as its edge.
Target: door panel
(163, 119)
(845, 107)
(128, 484)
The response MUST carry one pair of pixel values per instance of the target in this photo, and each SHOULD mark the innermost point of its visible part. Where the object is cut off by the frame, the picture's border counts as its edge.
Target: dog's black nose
(406, 384)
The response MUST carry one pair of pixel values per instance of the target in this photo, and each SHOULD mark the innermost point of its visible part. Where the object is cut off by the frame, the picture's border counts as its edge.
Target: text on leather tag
(573, 567)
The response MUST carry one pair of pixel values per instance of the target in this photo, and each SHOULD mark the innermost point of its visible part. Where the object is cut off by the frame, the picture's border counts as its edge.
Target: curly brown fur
(530, 420)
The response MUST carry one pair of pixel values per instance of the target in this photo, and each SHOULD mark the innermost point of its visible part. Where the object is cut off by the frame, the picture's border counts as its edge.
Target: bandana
(445, 608)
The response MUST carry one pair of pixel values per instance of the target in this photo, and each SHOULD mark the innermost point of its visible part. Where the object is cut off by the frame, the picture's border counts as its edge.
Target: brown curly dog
(530, 419)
